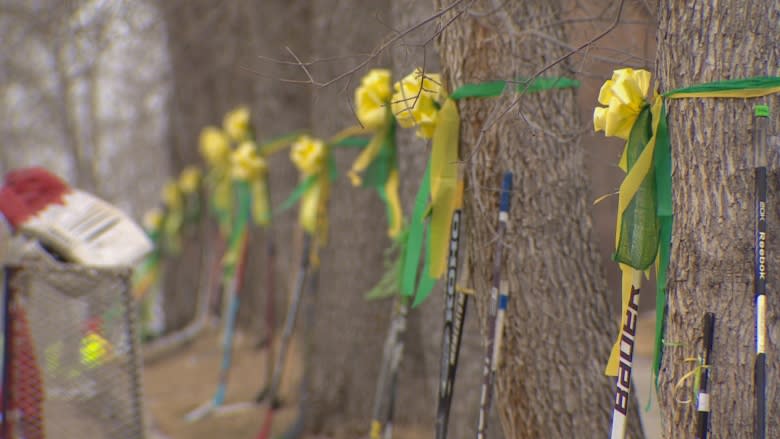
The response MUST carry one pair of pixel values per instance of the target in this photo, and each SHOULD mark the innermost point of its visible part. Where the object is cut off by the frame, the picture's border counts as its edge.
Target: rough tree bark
(711, 266)
(559, 331)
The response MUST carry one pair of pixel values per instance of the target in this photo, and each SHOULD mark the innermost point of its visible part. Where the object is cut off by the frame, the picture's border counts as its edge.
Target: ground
(182, 380)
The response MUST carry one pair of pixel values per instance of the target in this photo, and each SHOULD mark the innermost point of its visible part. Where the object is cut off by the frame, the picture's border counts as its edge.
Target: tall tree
(419, 373)
(558, 334)
(214, 53)
(348, 332)
(711, 266)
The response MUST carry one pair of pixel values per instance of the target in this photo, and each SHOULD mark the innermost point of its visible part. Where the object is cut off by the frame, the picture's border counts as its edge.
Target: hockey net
(74, 354)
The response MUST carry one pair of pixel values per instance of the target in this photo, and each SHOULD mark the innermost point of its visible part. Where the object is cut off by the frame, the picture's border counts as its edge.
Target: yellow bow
(372, 105)
(624, 96)
(414, 101)
(237, 124)
(215, 149)
(189, 179)
(309, 156)
(372, 98)
(153, 220)
(248, 166)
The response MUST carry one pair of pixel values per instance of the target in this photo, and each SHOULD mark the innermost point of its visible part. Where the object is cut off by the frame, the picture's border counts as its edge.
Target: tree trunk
(419, 391)
(348, 331)
(559, 328)
(214, 52)
(711, 266)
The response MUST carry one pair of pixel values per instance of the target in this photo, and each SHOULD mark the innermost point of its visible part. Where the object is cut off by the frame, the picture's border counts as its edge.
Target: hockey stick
(703, 398)
(493, 342)
(270, 393)
(454, 314)
(384, 399)
(295, 431)
(237, 252)
(628, 335)
(760, 152)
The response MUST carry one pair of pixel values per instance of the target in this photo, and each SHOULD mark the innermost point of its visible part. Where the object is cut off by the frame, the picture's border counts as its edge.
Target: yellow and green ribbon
(377, 164)
(417, 100)
(215, 149)
(148, 271)
(644, 219)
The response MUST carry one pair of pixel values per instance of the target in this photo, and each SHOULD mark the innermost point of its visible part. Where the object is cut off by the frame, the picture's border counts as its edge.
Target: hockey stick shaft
(703, 398)
(489, 368)
(270, 305)
(628, 336)
(454, 314)
(296, 430)
(289, 323)
(382, 384)
(395, 362)
(760, 151)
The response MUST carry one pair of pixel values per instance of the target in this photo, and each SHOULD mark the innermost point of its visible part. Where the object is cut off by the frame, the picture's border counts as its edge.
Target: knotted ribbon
(421, 101)
(644, 219)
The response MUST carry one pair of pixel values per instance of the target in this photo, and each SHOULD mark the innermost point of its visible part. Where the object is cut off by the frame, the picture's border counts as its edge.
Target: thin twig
(489, 124)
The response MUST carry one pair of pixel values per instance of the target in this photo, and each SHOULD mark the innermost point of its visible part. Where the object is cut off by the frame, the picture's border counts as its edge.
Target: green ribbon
(297, 193)
(493, 89)
(638, 240)
(351, 142)
(414, 247)
(239, 230)
(413, 250)
(662, 188)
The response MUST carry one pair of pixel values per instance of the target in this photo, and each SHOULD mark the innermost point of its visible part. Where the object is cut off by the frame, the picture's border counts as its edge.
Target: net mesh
(75, 365)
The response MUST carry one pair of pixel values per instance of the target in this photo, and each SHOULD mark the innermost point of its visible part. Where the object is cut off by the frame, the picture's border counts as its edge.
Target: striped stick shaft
(623, 383)
(454, 313)
(270, 305)
(295, 431)
(703, 398)
(383, 384)
(289, 325)
(289, 322)
(486, 398)
(227, 350)
(488, 371)
(395, 363)
(503, 301)
(761, 122)
(230, 323)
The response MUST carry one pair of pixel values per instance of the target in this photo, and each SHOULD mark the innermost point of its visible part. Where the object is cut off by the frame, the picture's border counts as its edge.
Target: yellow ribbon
(446, 184)
(237, 124)
(367, 155)
(309, 155)
(372, 101)
(372, 98)
(248, 166)
(394, 202)
(415, 103)
(624, 97)
(695, 374)
(189, 179)
(215, 149)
